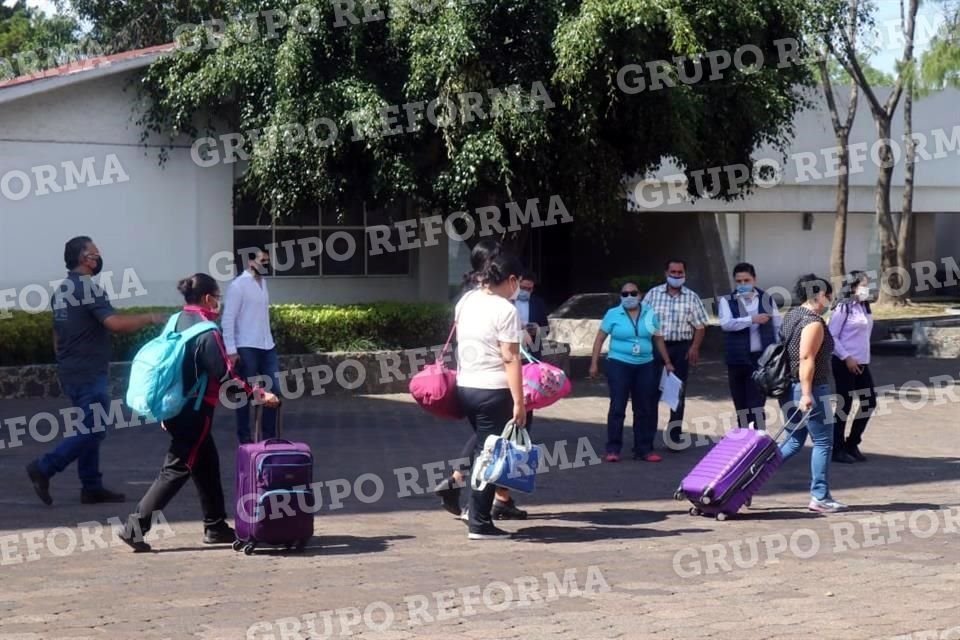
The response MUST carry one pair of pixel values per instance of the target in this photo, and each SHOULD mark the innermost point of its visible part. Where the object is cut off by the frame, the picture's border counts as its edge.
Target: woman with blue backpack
(193, 452)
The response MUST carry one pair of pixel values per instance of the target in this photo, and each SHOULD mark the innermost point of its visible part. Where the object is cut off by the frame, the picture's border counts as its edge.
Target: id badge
(636, 349)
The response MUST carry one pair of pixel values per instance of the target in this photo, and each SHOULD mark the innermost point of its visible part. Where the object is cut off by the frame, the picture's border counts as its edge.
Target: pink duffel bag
(435, 387)
(543, 383)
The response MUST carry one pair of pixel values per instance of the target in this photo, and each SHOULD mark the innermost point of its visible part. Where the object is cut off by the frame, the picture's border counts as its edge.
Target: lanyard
(635, 325)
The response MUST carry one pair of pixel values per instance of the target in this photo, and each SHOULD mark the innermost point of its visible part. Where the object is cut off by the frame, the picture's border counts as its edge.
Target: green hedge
(26, 338)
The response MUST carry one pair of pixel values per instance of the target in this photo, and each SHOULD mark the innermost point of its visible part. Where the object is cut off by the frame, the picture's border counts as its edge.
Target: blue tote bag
(509, 460)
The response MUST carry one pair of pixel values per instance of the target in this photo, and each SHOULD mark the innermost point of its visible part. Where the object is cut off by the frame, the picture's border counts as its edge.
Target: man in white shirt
(248, 340)
(750, 322)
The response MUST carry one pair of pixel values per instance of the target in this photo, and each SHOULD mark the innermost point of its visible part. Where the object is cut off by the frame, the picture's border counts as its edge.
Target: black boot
(507, 511)
(220, 533)
(41, 483)
(449, 493)
(854, 452)
(840, 455)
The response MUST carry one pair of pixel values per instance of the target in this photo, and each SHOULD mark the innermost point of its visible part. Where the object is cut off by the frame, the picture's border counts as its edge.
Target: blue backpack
(156, 374)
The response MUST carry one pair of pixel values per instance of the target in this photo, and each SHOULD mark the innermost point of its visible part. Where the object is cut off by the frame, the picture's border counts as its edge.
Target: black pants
(677, 350)
(192, 454)
(488, 411)
(747, 397)
(850, 385)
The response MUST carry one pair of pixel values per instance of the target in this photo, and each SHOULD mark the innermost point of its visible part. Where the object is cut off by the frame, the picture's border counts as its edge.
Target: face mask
(631, 302)
(523, 296)
(97, 269)
(676, 283)
(863, 294)
(516, 292)
(744, 289)
(215, 309)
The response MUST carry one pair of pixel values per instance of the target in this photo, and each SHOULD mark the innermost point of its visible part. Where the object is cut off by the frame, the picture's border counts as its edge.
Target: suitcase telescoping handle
(258, 421)
(804, 417)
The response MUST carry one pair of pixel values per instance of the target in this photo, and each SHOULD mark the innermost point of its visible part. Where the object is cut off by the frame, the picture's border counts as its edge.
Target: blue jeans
(637, 383)
(82, 447)
(257, 362)
(820, 430)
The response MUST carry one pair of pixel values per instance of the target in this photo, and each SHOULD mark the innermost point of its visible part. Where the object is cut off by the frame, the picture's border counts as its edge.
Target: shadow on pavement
(593, 534)
(607, 516)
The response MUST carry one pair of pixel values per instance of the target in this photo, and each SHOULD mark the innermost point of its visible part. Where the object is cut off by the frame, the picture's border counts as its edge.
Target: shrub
(644, 283)
(27, 338)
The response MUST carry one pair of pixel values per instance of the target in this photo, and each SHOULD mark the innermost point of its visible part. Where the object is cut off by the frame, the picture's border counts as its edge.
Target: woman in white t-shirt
(489, 374)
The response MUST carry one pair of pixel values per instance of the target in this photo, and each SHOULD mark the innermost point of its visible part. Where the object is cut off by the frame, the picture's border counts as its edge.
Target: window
(320, 240)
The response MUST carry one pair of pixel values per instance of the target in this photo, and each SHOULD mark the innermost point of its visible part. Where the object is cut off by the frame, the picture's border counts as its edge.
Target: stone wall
(937, 338)
(371, 372)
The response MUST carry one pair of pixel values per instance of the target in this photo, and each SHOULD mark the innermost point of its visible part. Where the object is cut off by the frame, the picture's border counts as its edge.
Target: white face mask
(515, 294)
(863, 294)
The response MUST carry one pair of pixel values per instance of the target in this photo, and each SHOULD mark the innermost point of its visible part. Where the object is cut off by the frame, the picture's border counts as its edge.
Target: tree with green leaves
(30, 40)
(552, 116)
(940, 65)
(136, 24)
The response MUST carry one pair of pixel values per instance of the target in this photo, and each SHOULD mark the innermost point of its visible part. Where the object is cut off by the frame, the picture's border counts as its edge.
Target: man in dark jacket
(750, 323)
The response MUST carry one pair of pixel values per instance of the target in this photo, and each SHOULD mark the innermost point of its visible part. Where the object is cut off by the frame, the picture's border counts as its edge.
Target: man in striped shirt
(683, 322)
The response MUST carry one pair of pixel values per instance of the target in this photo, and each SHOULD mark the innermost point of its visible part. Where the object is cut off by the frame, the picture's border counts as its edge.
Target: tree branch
(828, 94)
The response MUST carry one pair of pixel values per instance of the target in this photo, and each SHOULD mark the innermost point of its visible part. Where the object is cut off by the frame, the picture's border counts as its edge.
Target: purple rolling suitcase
(733, 471)
(274, 497)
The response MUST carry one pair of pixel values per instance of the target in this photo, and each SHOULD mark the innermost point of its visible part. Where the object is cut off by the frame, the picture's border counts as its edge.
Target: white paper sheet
(670, 387)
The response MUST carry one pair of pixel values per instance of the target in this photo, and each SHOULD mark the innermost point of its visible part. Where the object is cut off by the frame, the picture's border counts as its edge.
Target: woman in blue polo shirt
(631, 373)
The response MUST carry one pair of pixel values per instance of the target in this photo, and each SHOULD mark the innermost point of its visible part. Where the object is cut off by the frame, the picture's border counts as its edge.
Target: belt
(677, 341)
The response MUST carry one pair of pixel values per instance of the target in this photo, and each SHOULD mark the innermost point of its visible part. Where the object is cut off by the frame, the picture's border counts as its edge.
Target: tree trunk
(905, 234)
(838, 253)
(889, 279)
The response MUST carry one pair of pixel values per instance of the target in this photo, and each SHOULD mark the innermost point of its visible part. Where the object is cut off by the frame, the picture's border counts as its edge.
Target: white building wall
(164, 223)
(781, 250)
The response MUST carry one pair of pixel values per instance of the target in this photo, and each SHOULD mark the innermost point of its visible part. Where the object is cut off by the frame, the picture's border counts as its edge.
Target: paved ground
(645, 567)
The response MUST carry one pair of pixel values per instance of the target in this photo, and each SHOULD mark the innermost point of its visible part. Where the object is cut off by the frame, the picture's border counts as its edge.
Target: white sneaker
(825, 506)
(465, 515)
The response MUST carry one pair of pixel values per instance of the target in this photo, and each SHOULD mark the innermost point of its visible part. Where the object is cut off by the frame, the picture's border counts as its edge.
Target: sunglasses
(625, 294)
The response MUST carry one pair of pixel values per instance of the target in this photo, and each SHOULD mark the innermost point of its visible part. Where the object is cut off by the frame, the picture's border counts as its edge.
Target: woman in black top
(192, 452)
(809, 348)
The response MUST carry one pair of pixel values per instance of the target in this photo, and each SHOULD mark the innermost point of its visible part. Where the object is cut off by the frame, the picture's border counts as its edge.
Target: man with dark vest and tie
(750, 322)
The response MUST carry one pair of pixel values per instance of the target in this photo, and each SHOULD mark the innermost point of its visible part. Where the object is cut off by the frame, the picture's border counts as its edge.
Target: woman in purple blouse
(851, 325)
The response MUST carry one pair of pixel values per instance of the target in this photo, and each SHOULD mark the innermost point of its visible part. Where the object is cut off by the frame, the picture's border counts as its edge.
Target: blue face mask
(631, 302)
(676, 283)
(744, 289)
(523, 296)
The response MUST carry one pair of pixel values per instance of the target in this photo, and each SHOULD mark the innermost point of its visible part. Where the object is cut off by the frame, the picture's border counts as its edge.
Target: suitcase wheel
(694, 511)
(678, 494)
(237, 545)
(721, 516)
(249, 548)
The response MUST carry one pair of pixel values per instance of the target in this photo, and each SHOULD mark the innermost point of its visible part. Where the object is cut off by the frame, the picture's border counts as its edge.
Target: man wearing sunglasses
(248, 339)
(684, 320)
